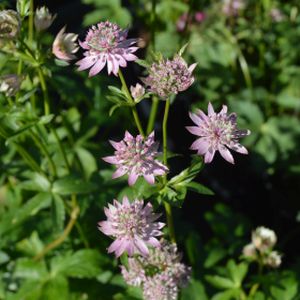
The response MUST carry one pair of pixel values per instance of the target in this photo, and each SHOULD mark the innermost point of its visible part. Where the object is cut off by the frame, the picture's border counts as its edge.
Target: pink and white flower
(216, 132)
(64, 46)
(106, 43)
(132, 226)
(135, 156)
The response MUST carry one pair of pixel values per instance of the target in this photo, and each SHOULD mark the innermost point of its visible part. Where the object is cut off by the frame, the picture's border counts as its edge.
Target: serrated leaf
(227, 295)
(72, 185)
(214, 256)
(30, 269)
(81, 264)
(32, 245)
(194, 291)
(56, 288)
(33, 206)
(237, 271)
(143, 63)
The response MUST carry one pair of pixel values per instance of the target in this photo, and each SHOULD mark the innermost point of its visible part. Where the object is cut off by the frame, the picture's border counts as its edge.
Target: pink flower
(106, 43)
(233, 7)
(43, 19)
(168, 77)
(64, 46)
(133, 227)
(136, 156)
(217, 132)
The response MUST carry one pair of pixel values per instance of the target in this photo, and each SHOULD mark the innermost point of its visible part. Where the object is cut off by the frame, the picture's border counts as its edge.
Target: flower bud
(273, 259)
(10, 84)
(9, 24)
(137, 91)
(249, 251)
(263, 238)
(43, 18)
(64, 46)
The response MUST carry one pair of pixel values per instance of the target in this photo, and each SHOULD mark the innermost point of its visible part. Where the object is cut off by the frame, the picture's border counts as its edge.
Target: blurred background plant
(54, 122)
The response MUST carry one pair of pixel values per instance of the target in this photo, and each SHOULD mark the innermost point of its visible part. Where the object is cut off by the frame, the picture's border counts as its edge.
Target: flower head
(273, 259)
(217, 132)
(43, 19)
(168, 77)
(64, 46)
(107, 43)
(249, 251)
(263, 238)
(233, 7)
(133, 227)
(135, 156)
(10, 84)
(160, 274)
(9, 24)
(137, 91)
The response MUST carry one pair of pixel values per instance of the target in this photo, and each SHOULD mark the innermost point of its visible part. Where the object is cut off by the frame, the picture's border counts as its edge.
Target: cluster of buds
(9, 24)
(261, 248)
(160, 274)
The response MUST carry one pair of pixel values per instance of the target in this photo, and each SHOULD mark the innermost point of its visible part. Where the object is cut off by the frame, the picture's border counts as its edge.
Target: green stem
(30, 24)
(44, 149)
(168, 208)
(153, 23)
(61, 148)
(45, 91)
(133, 108)
(153, 113)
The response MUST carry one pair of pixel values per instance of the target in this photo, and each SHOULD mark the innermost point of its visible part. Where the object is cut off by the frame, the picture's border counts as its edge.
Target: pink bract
(106, 43)
(133, 227)
(217, 132)
(135, 156)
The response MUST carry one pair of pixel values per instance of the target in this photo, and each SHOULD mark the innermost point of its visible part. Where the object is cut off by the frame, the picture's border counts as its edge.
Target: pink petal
(118, 173)
(150, 179)
(116, 145)
(224, 110)
(86, 62)
(194, 130)
(195, 118)
(130, 57)
(125, 201)
(154, 242)
(211, 111)
(226, 154)
(110, 159)
(114, 246)
(209, 155)
(140, 244)
(109, 64)
(201, 145)
(132, 179)
(192, 67)
(98, 66)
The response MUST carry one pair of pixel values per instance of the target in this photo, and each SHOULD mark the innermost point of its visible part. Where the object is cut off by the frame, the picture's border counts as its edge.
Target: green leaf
(38, 183)
(199, 188)
(194, 291)
(4, 257)
(59, 212)
(288, 288)
(227, 295)
(214, 256)
(237, 272)
(30, 269)
(29, 290)
(72, 185)
(32, 207)
(220, 282)
(81, 264)
(56, 288)
(32, 245)
(87, 160)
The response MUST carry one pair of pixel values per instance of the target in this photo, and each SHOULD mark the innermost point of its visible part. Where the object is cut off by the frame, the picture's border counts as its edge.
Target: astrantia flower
(43, 19)
(249, 251)
(263, 238)
(9, 24)
(133, 227)
(106, 43)
(64, 46)
(160, 274)
(168, 77)
(273, 259)
(137, 91)
(217, 132)
(135, 156)
(233, 7)
(10, 84)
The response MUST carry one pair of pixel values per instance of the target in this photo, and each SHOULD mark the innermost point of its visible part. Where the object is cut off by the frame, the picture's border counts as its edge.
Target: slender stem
(45, 91)
(30, 25)
(44, 149)
(153, 23)
(165, 160)
(61, 239)
(153, 113)
(133, 108)
(61, 148)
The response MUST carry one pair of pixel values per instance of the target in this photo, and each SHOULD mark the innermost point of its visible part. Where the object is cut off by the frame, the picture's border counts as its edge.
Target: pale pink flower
(106, 43)
(132, 226)
(43, 19)
(137, 91)
(135, 156)
(10, 84)
(64, 46)
(160, 274)
(10, 24)
(264, 238)
(233, 7)
(168, 77)
(217, 132)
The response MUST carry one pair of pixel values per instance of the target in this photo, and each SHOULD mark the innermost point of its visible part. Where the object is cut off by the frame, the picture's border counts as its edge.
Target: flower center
(104, 39)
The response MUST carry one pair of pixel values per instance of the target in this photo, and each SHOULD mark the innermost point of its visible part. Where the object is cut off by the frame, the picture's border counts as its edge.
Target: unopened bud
(273, 259)
(249, 251)
(9, 24)
(137, 91)
(10, 84)
(263, 238)
(43, 18)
